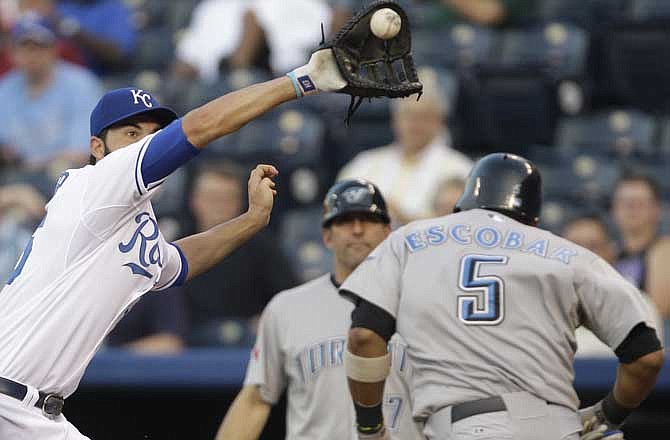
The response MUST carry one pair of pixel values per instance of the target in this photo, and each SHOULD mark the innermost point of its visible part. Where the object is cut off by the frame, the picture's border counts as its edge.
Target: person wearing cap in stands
(43, 99)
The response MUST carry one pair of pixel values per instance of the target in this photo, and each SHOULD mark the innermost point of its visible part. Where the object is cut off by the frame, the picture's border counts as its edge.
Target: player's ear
(327, 237)
(97, 147)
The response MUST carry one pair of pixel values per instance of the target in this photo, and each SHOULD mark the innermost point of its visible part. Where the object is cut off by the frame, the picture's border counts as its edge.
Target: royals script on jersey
(96, 252)
(489, 305)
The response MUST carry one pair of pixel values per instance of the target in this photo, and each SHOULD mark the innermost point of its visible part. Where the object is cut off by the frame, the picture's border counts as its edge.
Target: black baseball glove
(368, 66)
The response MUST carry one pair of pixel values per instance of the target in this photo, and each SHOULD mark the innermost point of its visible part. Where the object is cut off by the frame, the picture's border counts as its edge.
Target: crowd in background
(58, 56)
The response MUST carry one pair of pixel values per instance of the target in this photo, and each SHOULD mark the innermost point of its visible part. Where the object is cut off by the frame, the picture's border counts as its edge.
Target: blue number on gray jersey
(489, 308)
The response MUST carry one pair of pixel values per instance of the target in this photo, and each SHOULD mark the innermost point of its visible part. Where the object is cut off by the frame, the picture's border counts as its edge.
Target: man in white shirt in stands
(410, 170)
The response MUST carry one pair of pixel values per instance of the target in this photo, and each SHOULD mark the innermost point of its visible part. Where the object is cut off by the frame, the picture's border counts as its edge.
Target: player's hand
(600, 432)
(262, 192)
(321, 71)
(595, 426)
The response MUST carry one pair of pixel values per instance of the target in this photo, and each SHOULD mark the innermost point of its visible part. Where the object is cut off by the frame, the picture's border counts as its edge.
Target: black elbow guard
(641, 341)
(369, 316)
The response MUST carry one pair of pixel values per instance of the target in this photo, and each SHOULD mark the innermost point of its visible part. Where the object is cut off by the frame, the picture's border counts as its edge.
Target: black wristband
(369, 419)
(613, 411)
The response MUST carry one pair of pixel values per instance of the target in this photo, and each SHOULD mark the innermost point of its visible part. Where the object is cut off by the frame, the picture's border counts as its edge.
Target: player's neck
(340, 274)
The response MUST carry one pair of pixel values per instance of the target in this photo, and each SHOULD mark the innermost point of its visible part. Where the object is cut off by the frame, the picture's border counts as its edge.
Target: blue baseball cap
(120, 104)
(35, 28)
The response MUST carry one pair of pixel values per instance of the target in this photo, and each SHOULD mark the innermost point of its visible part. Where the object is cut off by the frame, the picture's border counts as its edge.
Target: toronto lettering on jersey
(145, 238)
(327, 354)
(486, 237)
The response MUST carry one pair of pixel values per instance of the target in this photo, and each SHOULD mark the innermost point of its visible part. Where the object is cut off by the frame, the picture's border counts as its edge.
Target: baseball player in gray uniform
(488, 304)
(303, 333)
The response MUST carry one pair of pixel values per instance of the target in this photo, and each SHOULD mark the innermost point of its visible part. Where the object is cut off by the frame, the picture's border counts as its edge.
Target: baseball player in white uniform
(488, 304)
(303, 333)
(99, 249)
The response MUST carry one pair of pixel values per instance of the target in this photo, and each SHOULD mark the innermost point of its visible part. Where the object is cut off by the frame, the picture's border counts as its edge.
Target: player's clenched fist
(262, 191)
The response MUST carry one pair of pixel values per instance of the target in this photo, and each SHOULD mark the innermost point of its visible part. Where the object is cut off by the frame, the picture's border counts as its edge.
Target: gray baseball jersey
(489, 305)
(301, 340)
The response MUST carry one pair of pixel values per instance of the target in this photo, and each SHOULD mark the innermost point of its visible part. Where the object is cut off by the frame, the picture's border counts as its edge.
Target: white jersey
(301, 341)
(489, 306)
(97, 251)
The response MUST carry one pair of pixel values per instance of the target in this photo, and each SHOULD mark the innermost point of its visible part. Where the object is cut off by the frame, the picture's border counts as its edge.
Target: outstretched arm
(232, 111)
(246, 417)
(204, 250)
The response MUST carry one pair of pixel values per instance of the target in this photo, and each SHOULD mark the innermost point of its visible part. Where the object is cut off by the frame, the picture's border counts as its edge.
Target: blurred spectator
(46, 93)
(155, 325)
(213, 35)
(225, 302)
(7, 12)
(10, 11)
(410, 170)
(101, 29)
(644, 256)
(481, 12)
(446, 196)
(21, 208)
(238, 34)
(591, 232)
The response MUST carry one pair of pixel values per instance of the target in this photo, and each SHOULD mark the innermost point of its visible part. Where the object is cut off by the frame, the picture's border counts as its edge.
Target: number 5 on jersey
(487, 308)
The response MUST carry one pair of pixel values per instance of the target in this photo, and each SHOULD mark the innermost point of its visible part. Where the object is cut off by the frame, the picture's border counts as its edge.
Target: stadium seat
(293, 138)
(294, 142)
(664, 136)
(155, 49)
(614, 132)
(300, 233)
(148, 14)
(580, 178)
(557, 49)
(557, 212)
(458, 47)
(345, 142)
(636, 49)
(197, 93)
(513, 101)
(579, 12)
(179, 13)
(643, 10)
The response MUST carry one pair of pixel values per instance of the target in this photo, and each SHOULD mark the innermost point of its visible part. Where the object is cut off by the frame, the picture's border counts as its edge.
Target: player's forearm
(366, 343)
(204, 250)
(486, 12)
(635, 380)
(230, 112)
(246, 417)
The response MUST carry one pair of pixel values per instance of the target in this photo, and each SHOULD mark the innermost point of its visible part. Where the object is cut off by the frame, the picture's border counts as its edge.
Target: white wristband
(302, 82)
(364, 369)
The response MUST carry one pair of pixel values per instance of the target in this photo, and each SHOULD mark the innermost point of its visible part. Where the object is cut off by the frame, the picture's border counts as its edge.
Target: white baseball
(385, 23)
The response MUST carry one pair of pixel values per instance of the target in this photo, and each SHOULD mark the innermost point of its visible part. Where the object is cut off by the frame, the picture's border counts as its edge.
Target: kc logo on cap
(141, 95)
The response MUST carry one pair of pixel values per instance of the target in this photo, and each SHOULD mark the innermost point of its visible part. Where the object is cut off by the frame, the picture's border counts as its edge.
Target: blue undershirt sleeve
(168, 150)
